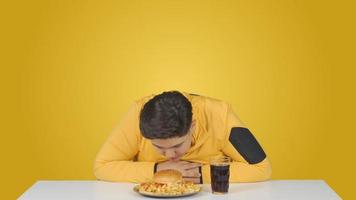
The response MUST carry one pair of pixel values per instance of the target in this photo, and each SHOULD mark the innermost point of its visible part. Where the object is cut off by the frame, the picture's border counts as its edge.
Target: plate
(148, 194)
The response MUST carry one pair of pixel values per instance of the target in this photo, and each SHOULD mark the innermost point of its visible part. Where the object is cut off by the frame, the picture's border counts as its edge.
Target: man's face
(174, 148)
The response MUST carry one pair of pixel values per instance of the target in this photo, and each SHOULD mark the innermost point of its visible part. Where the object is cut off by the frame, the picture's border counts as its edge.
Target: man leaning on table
(182, 131)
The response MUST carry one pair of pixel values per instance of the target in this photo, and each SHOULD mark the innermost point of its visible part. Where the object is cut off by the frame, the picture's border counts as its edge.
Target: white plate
(148, 194)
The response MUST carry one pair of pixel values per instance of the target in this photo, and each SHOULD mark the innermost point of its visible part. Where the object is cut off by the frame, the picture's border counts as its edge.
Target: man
(180, 131)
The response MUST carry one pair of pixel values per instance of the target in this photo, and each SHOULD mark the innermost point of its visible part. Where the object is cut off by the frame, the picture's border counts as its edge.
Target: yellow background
(70, 69)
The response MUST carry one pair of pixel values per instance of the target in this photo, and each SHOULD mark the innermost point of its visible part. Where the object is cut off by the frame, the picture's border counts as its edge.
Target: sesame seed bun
(167, 176)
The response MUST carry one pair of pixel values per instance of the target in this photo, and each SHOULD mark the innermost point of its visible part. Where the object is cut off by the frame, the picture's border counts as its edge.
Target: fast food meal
(168, 182)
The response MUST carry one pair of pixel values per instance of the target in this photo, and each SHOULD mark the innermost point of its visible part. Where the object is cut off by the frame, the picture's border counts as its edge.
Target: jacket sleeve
(249, 161)
(116, 158)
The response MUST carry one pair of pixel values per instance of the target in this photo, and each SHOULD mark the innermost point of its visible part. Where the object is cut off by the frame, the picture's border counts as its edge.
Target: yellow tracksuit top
(127, 156)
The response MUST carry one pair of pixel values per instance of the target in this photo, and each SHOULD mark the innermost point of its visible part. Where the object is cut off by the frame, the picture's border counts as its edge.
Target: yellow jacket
(126, 156)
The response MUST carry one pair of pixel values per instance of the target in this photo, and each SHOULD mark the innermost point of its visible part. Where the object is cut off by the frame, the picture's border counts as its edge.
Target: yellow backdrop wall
(70, 69)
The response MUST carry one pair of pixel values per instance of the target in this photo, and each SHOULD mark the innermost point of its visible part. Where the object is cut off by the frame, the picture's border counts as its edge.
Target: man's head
(166, 119)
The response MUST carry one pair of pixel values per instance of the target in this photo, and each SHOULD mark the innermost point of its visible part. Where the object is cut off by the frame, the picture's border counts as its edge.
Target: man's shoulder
(215, 105)
(208, 100)
(214, 111)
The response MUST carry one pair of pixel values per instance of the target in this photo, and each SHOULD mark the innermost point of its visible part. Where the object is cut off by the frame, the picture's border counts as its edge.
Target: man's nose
(170, 153)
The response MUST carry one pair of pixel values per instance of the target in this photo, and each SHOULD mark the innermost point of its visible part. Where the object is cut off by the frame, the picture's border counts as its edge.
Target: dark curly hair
(166, 115)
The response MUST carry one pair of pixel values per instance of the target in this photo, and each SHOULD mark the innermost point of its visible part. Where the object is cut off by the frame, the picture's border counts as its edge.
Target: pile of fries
(177, 188)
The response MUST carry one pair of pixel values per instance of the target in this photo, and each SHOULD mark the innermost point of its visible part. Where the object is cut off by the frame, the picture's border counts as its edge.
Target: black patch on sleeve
(246, 144)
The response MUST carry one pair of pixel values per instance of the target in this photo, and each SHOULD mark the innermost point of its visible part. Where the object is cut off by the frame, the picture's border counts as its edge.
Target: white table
(276, 189)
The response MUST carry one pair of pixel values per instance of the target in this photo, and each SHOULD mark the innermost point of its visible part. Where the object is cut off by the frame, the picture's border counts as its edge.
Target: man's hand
(189, 170)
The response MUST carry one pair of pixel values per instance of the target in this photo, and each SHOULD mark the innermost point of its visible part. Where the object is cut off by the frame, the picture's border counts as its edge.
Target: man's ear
(192, 126)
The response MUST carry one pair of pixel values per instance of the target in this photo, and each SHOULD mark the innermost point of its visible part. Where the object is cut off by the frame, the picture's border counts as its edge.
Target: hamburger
(168, 183)
(168, 176)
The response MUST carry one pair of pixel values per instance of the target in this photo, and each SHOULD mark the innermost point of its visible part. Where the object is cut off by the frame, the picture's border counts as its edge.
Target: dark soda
(220, 178)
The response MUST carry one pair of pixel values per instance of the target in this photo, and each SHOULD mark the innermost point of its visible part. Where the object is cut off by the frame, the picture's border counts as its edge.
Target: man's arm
(115, 160)
(249, 161)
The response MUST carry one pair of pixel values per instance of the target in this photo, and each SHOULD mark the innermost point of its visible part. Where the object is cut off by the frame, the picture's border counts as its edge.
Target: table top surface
(274, 189)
